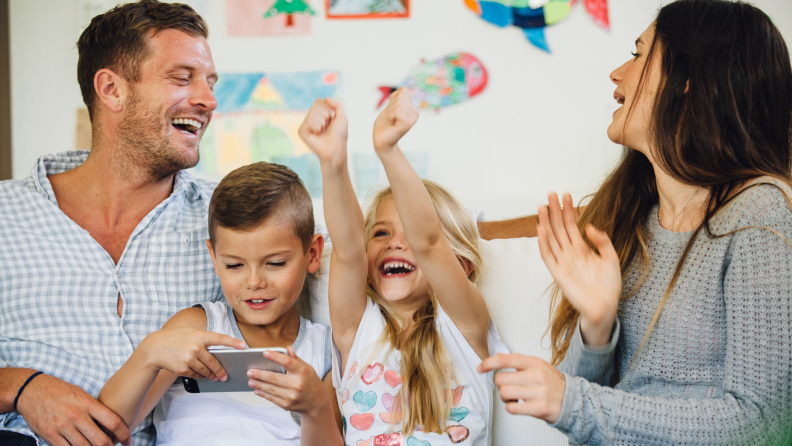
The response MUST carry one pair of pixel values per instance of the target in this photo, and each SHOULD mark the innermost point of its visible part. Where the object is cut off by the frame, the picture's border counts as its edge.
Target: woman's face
(635, 132)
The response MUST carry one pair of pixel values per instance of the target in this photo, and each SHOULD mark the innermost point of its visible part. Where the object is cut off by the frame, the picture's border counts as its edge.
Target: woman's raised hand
(325, 129)
(398, 117)
(590, 280)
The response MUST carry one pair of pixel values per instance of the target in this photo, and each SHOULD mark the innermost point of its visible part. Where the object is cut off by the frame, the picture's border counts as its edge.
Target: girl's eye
(234, 266)
(380, 233)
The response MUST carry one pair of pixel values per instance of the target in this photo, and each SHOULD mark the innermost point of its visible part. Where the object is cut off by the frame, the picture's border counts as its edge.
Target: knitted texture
(717, 368)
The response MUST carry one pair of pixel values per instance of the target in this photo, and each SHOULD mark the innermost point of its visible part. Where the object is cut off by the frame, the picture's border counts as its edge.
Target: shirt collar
(61, 162)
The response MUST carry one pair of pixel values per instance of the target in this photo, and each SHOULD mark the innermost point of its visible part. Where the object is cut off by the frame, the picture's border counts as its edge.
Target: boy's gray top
(59, 287)
(717, 368)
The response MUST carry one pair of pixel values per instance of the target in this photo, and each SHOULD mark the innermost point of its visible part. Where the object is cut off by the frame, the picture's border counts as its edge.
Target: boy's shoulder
(193, 317)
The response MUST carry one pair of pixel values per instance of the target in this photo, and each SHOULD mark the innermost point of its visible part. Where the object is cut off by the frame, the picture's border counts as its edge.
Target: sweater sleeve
(756, 406)
(595, 364)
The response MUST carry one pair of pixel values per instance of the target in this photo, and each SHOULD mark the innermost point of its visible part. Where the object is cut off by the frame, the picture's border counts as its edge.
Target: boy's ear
(212, 254)
(315, 252)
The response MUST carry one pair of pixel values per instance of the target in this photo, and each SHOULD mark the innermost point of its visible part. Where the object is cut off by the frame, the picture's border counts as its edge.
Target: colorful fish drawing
(442, 82)
(534, 20)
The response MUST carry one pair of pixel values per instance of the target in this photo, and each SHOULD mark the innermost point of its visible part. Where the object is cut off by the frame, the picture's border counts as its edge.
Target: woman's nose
(617, 75)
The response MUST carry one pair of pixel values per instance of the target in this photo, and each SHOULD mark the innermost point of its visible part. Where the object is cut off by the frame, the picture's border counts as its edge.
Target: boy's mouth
(393, 268)
(258, 304)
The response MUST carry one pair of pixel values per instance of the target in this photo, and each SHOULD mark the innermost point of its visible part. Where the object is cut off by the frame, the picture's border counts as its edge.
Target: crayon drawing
(367, 9)
(257, 118)
(246, 18)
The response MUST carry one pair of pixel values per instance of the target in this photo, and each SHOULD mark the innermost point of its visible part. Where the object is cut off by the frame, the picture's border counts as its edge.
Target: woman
(673, 324)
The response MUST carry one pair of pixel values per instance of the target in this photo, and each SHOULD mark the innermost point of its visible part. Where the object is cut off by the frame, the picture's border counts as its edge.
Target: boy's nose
(256, 281)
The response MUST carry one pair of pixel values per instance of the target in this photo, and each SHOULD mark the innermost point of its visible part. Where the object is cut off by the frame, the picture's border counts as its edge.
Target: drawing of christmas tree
(289, 7)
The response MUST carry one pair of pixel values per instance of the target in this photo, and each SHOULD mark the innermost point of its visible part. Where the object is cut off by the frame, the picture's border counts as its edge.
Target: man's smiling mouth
(186, 125)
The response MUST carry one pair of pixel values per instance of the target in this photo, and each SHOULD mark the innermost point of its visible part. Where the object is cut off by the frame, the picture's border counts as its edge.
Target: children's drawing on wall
(257, 118)
(367, 9)
(268, 17)
(534, 20)
(446, 81)
(88, 9)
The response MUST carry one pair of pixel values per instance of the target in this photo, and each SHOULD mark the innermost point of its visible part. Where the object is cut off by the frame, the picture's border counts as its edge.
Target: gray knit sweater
(717, 370)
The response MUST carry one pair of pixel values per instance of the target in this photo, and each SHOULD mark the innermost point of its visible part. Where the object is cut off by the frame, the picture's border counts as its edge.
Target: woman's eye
(635, 55)
(234, 266)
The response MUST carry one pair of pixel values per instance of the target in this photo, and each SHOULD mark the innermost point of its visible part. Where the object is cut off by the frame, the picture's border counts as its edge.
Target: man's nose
(203, 97)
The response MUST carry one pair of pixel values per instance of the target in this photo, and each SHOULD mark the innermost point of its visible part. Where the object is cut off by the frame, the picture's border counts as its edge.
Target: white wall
(539, 125)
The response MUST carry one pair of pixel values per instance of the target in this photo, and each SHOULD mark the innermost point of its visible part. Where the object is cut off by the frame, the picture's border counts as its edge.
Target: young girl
(408, 321)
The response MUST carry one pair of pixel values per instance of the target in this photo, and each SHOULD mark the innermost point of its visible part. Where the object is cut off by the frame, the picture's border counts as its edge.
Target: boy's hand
(299, 390)
(395, 120)
(325, 129)
(183, 351)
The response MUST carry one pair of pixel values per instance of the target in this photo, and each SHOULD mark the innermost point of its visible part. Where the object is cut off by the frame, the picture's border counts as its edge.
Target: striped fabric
(59, 287)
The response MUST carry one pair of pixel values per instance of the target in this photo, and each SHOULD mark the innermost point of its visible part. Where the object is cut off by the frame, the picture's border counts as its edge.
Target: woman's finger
(544, 222)
(603, 244)
(544, 247)
(557, 221)
(569, 214)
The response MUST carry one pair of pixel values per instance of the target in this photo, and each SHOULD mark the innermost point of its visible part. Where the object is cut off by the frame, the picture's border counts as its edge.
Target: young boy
(262, 242)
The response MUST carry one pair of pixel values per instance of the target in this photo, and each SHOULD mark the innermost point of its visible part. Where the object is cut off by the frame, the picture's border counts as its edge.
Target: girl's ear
(466, 265)
(315, 252)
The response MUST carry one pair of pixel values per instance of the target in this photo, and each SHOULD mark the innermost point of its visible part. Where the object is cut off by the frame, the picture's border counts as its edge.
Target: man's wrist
(11, 379)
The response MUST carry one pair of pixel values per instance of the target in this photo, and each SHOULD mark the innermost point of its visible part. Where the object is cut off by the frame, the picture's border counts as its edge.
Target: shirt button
(186, 239)
(118, 275)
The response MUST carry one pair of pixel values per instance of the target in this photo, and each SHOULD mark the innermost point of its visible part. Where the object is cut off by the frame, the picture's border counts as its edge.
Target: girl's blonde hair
(426, 392)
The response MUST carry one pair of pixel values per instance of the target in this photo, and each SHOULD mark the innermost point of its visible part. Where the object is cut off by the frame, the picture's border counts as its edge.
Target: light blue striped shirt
(59, 287)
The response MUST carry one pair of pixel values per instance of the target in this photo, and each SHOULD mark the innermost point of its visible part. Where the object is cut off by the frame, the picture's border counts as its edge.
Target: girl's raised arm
(325, 132)
(448, 277)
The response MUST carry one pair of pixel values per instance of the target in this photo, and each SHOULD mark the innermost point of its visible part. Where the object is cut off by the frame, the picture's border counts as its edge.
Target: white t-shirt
(370, 382)
(237, 418)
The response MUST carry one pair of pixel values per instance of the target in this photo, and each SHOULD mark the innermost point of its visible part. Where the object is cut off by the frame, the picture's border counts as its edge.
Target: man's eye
(234, 266)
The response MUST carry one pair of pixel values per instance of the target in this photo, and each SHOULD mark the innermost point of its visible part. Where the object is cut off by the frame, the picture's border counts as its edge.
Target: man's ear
(111, 89)
(212, 255)
(315, 252)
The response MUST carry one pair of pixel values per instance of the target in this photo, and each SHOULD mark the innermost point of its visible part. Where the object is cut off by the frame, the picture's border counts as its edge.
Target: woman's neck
(682, 207)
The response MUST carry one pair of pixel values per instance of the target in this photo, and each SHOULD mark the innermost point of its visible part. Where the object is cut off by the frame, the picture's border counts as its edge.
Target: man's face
(167, 111)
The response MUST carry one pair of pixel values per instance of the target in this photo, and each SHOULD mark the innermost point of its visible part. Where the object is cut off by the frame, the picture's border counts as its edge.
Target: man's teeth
(195, 125)
(393, 265)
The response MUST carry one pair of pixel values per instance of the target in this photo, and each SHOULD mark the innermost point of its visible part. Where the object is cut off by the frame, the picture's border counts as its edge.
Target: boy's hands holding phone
(299, 390)
(398, 117)
(325, 130)
(183, 351)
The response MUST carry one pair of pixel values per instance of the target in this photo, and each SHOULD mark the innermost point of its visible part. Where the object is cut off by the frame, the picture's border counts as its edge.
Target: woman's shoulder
(766, 201)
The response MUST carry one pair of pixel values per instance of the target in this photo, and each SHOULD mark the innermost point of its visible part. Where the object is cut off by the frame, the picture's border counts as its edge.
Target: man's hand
(395, 120)
(299, 390)
(183, 351)
(536, 388)
(325, 130)
(64, 414)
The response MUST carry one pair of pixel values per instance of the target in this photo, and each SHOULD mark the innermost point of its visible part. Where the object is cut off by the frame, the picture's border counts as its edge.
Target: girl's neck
(681, 206)
(280, 333)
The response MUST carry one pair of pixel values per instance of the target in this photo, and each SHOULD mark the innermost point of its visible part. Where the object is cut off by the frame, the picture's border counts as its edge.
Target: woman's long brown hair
(731, 126)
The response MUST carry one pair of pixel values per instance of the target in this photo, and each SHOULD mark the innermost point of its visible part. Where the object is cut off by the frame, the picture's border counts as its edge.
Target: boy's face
(262, 270)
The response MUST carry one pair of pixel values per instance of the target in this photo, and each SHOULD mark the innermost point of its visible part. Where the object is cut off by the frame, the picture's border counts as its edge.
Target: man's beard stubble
(144, 146)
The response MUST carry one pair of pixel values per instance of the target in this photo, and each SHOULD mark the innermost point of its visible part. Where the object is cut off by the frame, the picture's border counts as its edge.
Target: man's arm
(59, 412)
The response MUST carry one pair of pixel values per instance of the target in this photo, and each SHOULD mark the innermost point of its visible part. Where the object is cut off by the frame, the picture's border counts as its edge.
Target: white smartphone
(236, 364)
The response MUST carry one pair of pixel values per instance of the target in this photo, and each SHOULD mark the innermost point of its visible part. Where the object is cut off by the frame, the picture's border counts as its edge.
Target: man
(99, 249)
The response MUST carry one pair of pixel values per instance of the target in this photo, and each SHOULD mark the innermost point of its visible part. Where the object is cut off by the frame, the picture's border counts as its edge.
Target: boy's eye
(277, 264)
(234, 266)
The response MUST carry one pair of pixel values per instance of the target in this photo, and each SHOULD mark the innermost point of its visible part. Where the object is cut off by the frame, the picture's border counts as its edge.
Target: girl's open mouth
(393, 268)
(258, 304)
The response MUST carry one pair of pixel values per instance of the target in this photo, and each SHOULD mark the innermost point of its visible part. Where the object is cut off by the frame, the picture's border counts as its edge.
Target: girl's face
(635, 132)
(392, 269)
